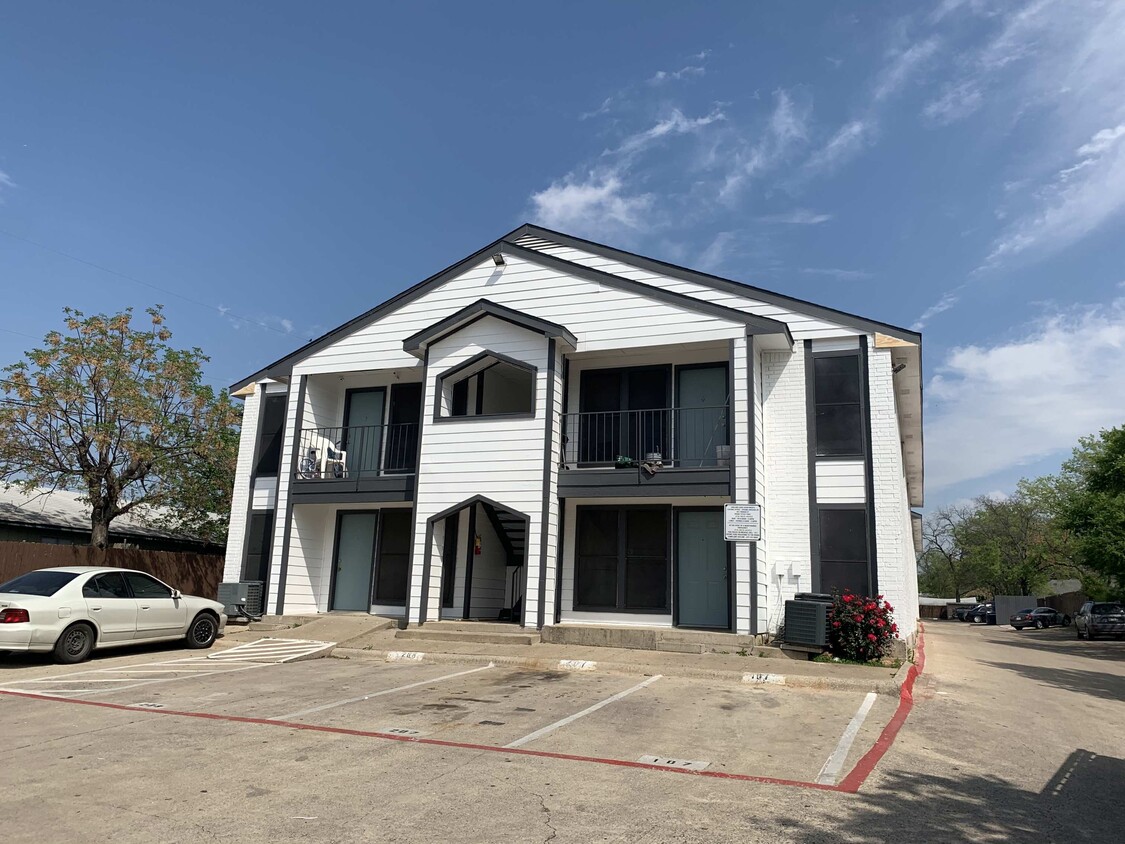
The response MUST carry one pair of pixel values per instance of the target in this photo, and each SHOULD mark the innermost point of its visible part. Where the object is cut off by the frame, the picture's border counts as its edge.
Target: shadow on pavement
(1096, 683)
(1065, 641)
(1080, 803)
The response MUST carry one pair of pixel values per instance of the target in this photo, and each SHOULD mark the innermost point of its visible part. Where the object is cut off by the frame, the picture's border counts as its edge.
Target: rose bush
(860, 628)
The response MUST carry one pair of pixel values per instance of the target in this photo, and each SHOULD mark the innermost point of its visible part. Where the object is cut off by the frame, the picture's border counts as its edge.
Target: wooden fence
(192, 574)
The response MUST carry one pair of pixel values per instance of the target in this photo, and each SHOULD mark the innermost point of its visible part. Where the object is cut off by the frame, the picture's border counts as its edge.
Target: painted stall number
(399, 731)
(577, 665)
(148, 705)
(666, 762)
(405, 656)
(775, 679)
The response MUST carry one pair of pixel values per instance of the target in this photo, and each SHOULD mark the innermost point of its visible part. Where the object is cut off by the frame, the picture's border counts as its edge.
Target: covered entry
(703, 594)
(371, 560)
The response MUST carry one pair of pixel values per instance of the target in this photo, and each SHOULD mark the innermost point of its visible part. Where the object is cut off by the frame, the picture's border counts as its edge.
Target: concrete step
(665, 639)
(474, 637)
(473, 626)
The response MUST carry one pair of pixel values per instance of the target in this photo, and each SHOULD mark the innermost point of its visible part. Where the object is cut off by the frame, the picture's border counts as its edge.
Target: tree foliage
(1094, 509)
(115, 412)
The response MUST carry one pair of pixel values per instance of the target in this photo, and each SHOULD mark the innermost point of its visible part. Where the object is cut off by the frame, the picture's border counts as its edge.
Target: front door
(402, 431)
(354, 560)
(363, 437)
(702, 587)
(701, 417)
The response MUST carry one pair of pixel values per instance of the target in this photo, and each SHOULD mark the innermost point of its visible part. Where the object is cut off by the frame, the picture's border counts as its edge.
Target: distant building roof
(64, 510)
(1063, 587)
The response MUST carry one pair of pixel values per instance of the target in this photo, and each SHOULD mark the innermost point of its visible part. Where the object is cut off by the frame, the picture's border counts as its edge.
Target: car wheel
(1066, 621)
(1090, 635)
(1018, 626)
(977, 619)
(1038, 624)
(202, 632)
(75, 644)
(1078, 631)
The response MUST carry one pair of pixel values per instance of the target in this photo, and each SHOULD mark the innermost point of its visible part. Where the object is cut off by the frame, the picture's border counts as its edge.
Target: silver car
(75, 610)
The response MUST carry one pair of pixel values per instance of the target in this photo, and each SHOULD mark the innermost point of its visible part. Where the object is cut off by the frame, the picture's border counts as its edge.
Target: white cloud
(718, 250)
(604, 108)
(956, 102)
(850, 139)
(1102, 141)
(995, 408)
(902, 65)
(943, 304)
(5, 182)
(835, 272)
(786, 129)
(796, 217)
(662, 76)
(675, 124)
(591, 203)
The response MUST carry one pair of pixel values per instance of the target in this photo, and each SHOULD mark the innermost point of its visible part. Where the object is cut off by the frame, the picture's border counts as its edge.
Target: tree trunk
(99, 526)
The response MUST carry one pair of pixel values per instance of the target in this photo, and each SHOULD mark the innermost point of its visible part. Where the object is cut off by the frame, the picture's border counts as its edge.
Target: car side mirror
(177, 594)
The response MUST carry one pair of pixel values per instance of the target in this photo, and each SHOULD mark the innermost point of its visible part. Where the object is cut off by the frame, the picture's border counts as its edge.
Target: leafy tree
(1015, 544)
(946, 567)
(115, 412)
(1094, 510)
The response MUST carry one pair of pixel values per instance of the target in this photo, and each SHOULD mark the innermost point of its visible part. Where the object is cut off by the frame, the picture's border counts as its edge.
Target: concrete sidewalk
(365, 637)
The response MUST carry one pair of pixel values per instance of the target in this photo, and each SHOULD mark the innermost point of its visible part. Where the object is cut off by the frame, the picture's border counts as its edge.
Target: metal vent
(806, 623)
(243, 598)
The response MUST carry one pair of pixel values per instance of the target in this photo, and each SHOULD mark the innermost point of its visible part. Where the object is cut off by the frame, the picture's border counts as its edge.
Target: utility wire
(135, 280)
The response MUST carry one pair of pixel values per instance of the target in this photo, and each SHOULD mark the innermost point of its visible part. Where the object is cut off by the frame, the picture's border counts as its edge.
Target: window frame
(171, 592)
(861, 403)
(259, 435)
(818, 569)
(622, 556)
(444, 383)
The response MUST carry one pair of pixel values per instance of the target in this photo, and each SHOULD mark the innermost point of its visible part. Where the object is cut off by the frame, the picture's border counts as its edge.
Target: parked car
(1100, 619)
(1039, 617)
(961, 613)
(73, 611)
(983, 614)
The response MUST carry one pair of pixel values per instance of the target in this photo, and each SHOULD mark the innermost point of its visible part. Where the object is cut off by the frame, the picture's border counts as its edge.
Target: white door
(158, 613)
(111, 606)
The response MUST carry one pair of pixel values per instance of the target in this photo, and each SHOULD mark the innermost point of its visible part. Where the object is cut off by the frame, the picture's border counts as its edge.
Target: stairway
(473, 632)
(511, 529)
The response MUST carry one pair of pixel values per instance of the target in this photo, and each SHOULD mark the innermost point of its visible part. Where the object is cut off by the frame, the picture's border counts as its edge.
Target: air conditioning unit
(806, 622)
(242, 599)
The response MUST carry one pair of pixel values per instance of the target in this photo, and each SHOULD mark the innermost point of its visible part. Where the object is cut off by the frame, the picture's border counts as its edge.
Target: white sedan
(73, 611)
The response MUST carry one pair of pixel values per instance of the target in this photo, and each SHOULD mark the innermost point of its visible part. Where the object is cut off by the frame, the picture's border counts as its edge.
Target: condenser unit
(806, 623)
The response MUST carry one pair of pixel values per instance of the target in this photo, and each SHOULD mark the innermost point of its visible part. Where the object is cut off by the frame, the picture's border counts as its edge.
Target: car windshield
(43, 583)
(1099, 609)
(1024, 611)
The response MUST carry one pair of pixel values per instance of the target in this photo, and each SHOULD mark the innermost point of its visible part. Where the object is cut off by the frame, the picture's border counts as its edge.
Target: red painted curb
(850, 784)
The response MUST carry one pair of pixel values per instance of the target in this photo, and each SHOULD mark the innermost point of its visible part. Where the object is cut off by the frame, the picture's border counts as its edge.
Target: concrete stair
(474, 632)
(665, 639)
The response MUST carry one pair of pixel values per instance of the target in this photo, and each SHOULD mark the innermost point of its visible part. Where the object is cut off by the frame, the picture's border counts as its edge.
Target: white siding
(787, 470)
(846, 344)
(501, 459)
(740, 487)
(841, 482)
(602, 317)
(240, 496)
(894, 538)
(310, 552)
(802, 326)
(551, 517)
(761, 484)
(264, 494)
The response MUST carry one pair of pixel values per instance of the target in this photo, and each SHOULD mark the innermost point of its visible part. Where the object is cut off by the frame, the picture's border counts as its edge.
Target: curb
(801, 681)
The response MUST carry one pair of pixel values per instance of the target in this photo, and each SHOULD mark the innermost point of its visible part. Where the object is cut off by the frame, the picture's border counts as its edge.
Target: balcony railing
(678, 437)
(352, 453)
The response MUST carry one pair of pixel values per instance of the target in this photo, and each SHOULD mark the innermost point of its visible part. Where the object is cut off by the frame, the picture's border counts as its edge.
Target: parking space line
(835, 763)
(82, 677)
(301, 713)
(550, 728)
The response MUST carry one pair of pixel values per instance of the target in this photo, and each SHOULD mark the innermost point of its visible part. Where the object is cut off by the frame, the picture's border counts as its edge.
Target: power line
(135, 280)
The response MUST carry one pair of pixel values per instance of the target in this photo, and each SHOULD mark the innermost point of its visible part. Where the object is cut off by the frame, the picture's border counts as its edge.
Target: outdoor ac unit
(243, 598)
(806, 623)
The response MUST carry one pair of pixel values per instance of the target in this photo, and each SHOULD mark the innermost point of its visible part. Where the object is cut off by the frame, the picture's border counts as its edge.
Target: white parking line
(550, 728)
(56, 685)
(290, 716)
(831, 770)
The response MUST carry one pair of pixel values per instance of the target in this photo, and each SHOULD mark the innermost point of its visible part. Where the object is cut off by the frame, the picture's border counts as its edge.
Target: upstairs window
(488, 384)
(270, 432)
(838, 396)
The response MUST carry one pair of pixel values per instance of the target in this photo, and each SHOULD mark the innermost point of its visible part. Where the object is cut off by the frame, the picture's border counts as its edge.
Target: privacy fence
(192, 574)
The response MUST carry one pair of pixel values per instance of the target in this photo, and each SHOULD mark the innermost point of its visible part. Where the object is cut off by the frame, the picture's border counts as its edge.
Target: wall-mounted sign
(742, 522)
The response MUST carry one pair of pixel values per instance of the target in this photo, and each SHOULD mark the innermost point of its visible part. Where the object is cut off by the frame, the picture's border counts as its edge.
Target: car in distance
(1100, 619)
(1039, 617)
(983, 614)
(962, 613)
(75, 610)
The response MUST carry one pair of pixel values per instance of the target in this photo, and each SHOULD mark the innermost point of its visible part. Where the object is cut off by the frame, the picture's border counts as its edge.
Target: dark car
(1039, 617)
(962, 613)
(983, 614)
(1100, 619)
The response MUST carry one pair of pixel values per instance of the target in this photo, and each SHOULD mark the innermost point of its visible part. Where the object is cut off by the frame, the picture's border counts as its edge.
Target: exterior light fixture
(498, 259)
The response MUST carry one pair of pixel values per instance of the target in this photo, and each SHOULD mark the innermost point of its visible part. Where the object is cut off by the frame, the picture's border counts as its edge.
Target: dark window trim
(622, 540)
(470, 554)
(452, 372)
(283, 563)
(449, 557)
(816, 509)
(284, 395)
(864, 412)
(379, 560)
(336, 555)
(623, 387)
(246, 541)
(348, 409)
(869, 468)
(731, 623)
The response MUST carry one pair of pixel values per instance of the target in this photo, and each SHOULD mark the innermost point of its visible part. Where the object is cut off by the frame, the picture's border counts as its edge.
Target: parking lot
(651, 722)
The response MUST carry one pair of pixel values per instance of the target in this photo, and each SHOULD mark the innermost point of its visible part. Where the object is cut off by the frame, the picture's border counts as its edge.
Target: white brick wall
(240, 498)
(788, 564)
(898, 572)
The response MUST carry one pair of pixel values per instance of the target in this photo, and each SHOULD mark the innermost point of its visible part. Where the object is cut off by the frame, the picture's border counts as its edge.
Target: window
(487, 385)
(256, 565)
(43, 583)
(106, 586)
(622, 559)
(393, 563)
(843, 550)
(144, 586)
(270, 434)
(838, 397)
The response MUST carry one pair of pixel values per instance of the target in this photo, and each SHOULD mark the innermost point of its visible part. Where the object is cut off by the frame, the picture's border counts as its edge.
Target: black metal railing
(677, 437)
(356, 452)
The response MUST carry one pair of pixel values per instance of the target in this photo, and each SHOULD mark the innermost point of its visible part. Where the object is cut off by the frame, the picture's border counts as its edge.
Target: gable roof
(507, 245)
(416, 343)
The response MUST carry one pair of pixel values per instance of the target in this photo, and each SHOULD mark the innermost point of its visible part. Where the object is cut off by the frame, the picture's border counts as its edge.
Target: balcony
(667, 451)
(358, 463)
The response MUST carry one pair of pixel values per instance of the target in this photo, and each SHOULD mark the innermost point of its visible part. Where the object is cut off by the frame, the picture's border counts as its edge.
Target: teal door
(702, 585)
(355, 561)
(701, 416)
(363, 418)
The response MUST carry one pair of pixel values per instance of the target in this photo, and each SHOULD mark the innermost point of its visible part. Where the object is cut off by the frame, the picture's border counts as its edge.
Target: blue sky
(277, 168)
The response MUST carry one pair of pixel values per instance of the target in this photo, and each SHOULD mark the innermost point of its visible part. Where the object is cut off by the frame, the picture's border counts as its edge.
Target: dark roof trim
(718, 283)
(755, 324)
(454, 371)
(453, 323)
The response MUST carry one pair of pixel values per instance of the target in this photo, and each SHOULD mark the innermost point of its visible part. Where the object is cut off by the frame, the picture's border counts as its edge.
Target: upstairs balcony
(662, 451)
(356, 463)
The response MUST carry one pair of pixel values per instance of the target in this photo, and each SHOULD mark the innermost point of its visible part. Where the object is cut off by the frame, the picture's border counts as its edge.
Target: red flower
(872, 636)
(888, 608)
(880, 623)
(894, 628)
(835, 624)
(847, 599)
(858, 617)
